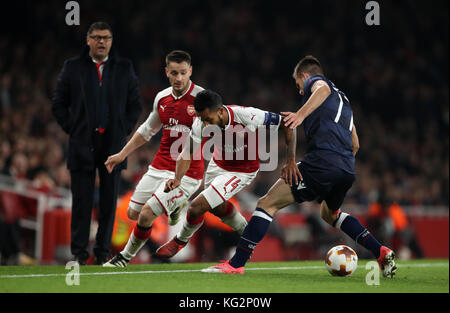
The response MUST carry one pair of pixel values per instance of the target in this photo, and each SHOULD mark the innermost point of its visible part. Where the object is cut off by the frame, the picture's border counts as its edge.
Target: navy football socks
(253, 233)
(353, 228)
(259, 224)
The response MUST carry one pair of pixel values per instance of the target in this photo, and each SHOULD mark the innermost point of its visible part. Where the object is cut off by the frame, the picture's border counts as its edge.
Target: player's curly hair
(310, 65)
(207, 99)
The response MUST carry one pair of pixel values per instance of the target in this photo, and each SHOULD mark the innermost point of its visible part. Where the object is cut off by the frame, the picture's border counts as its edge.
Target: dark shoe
(100, 260)
(81, 260)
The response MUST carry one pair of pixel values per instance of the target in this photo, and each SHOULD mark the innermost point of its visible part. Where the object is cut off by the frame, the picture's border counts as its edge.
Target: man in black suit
(96, 102)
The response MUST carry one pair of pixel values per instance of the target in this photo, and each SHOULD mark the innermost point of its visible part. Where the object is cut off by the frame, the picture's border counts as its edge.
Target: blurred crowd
(395, 75)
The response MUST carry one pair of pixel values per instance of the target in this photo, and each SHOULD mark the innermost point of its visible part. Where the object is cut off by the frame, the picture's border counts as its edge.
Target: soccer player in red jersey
(173, 111)
(234, 165)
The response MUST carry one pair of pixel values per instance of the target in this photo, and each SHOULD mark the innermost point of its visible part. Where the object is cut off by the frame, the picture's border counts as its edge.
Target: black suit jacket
(74, 106)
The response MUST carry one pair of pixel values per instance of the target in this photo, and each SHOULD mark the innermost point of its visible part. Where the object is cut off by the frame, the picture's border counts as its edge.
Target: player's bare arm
(144, 133)
(320, 92)
(290, 169)
(135, 142)
(355, 140)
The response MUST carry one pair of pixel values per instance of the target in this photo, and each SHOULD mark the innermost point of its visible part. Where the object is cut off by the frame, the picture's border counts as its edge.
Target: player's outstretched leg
(278, 197)
(141, 232)
(353, 228)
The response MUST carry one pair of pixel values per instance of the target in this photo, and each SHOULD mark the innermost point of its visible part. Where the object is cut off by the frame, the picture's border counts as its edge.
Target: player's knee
(197, 209)
(146, 216)
(132, 214)
(221, 210)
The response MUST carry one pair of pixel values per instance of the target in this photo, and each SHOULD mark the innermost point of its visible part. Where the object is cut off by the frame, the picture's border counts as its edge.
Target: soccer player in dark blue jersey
(327, 171)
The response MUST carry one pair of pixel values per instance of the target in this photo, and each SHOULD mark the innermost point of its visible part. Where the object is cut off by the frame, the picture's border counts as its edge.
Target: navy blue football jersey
(328, 129)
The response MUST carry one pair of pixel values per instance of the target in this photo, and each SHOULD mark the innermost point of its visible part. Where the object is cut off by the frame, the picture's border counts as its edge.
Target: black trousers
(83, 188)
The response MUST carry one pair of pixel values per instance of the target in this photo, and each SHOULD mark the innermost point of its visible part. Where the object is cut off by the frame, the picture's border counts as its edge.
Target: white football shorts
(150, 189)
(221, 185)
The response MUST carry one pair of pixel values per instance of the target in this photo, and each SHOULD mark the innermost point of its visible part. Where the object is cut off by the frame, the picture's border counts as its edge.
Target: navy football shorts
(320, 184)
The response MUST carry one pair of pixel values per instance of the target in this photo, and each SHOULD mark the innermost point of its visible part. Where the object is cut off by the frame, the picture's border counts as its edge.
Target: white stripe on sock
(262, 215)
(341, 218)
(255, 243)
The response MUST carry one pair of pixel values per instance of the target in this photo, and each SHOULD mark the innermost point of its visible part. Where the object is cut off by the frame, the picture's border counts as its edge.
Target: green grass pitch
(418, 276)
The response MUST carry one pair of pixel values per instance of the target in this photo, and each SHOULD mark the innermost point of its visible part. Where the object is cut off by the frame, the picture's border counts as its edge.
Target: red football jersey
(175, 116)
(236, 146)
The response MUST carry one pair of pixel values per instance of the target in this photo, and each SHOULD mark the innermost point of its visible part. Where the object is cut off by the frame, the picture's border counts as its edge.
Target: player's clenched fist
(113, 160)
(172, 184)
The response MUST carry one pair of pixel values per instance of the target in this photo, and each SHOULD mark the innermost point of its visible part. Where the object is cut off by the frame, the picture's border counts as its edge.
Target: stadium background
(395, 75)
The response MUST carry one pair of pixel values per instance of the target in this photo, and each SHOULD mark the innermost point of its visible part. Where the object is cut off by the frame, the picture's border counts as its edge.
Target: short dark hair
(309, 64)
(99, 26)
(178, 56)
(207, 99)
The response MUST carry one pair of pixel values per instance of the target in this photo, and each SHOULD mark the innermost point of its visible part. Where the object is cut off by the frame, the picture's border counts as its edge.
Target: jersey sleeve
(310, 82)
(253, 118)
(152, 125)
(196, 130)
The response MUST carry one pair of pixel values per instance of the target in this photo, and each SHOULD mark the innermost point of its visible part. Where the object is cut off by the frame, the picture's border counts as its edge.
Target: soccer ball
(341, 261)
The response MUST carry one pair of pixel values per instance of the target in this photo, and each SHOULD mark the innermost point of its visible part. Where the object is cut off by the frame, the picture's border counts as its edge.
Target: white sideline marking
(311, 267)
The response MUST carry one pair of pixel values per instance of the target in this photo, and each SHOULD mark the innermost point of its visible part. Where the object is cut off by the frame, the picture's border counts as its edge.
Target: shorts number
(233, 185)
